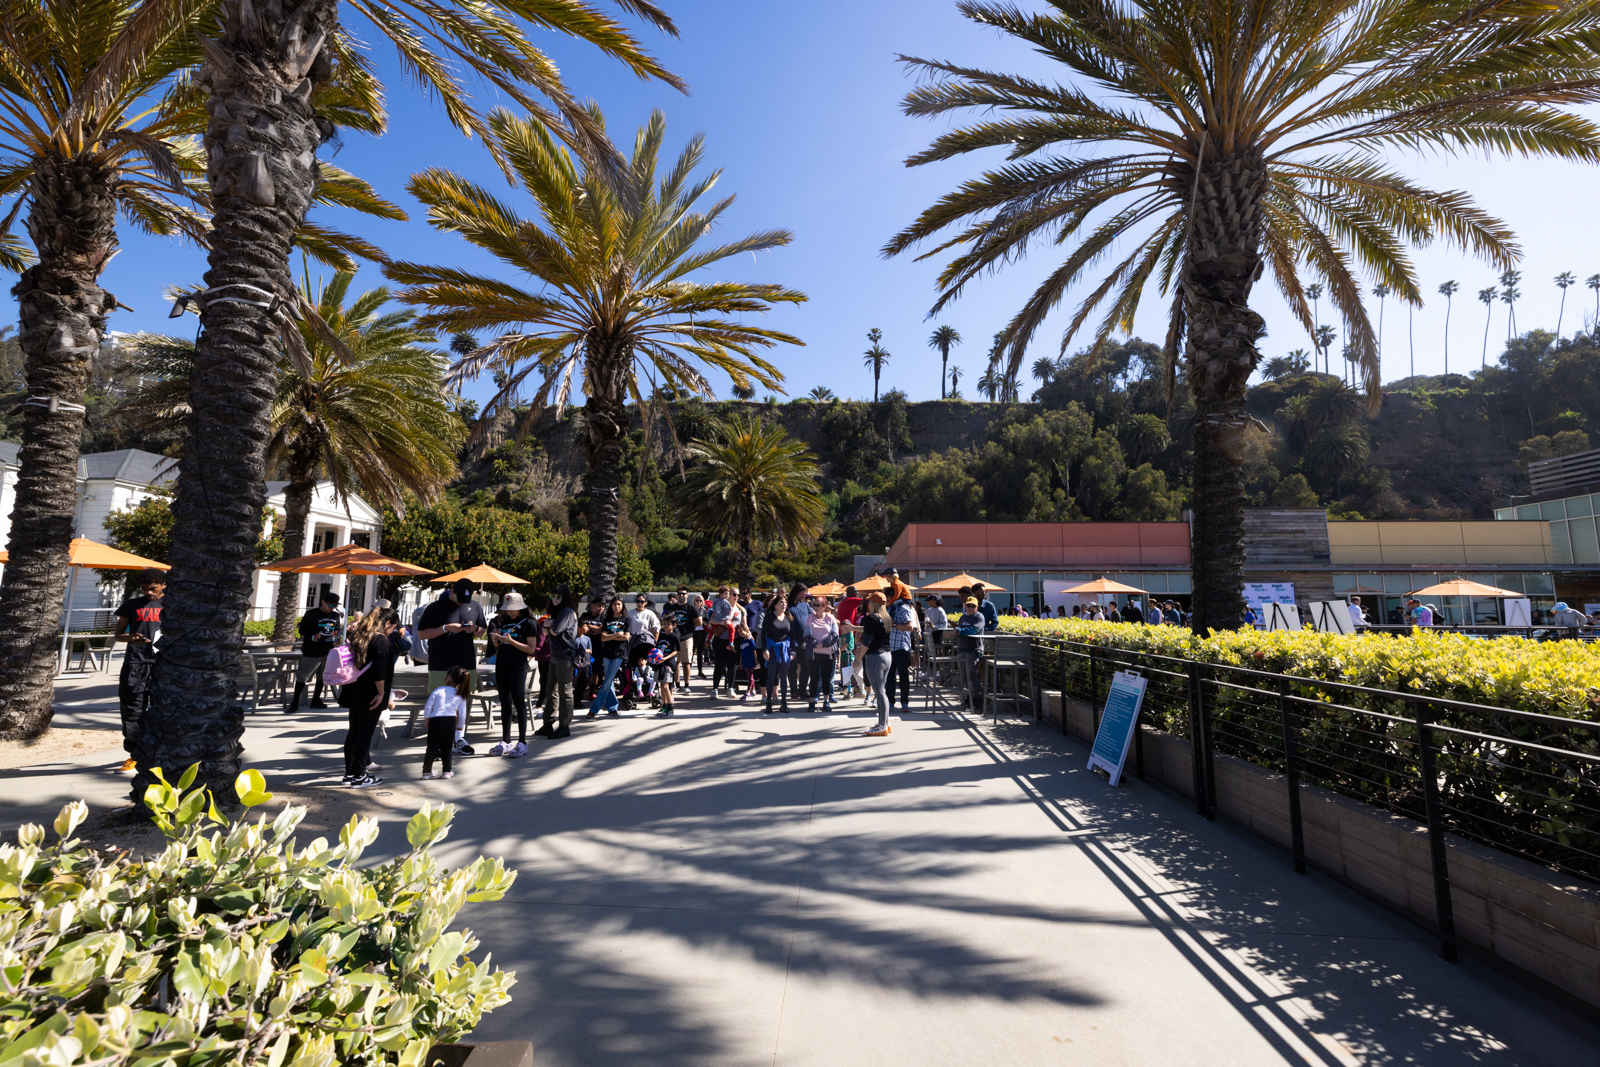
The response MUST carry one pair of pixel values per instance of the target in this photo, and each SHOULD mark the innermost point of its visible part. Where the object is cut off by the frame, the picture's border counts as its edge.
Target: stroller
(640, 681)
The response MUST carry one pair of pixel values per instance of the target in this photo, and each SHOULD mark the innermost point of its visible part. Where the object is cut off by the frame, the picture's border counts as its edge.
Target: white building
(118, 481)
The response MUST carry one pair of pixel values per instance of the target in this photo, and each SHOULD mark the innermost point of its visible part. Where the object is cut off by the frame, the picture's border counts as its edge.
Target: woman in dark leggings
(511, 640)
(778, 636)
(367, 696)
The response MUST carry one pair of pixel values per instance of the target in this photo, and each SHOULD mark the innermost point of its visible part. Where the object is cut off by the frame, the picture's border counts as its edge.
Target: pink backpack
(340, 668)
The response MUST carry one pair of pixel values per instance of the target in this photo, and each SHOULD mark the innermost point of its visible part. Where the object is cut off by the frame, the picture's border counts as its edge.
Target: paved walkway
(737, 889)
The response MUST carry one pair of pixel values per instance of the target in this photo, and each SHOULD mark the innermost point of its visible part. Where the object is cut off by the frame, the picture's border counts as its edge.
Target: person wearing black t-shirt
(450, 626)
(138, 624)
(611, 650)
(511, 639)
(367, 696)
(319, 635)
(669, 642)
(685, 617)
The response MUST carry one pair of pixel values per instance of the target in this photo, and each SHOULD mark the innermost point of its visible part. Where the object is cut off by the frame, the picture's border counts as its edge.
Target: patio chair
(941, 666)
(1011, 661)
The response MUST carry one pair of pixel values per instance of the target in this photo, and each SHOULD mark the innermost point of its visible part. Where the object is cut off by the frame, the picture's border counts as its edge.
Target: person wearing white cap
(511, 639)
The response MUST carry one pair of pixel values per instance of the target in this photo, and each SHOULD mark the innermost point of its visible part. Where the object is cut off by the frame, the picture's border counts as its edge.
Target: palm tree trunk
(296, 510)
(742, 556)
(606, 427)
(1221, 264)
(62, 312)
(262, 140)
(944, 361)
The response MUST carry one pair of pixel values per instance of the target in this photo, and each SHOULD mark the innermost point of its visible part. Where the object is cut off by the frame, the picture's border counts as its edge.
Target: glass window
(1150, 583)
(1554, 510)
(1594, 503)
(1179, 583)
(1345, 584)
(1397, 583)
(1578, 506)
(1528, 511)
(1505, 513)
(1539, 585)
(1584, 547)
(1562, 543)
(1511, 582)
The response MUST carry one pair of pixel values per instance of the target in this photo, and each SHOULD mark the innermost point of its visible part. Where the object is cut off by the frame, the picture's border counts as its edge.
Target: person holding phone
(138, 624)
(451, 626)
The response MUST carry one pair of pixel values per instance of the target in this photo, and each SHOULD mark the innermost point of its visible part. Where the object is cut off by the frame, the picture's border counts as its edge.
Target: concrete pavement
(733, 888)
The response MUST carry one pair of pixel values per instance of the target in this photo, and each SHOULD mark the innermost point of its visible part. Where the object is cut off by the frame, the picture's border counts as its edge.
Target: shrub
(259, 628)
(1551, 677)
(232, 946)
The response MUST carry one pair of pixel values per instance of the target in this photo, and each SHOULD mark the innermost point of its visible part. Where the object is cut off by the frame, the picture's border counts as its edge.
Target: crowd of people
(603, 658)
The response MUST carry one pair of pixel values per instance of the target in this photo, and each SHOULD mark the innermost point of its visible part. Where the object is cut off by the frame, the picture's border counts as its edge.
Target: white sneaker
(426, 775)
(500, 749)
(518, 749)
(446, 774)
(462, 747)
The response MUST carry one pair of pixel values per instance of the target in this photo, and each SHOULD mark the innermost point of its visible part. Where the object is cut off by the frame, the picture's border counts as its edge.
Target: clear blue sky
(799, 103)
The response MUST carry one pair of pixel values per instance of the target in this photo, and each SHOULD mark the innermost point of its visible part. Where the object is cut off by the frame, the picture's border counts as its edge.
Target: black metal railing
(1521, 782)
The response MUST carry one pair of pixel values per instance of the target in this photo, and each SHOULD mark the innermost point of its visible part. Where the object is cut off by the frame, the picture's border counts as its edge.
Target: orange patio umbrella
(872, 582)
(959, 582)
(86, 553)
(1098, 587)
(1462, 587)
(483, 574)
(346, 559)
(826, 589)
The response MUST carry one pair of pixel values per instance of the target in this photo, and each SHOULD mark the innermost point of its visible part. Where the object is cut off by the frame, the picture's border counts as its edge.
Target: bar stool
(1012, 658)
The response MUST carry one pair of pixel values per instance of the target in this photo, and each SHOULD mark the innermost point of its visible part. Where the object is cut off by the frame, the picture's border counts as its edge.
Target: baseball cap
(330, 597)
(464, 587)
(972, 602)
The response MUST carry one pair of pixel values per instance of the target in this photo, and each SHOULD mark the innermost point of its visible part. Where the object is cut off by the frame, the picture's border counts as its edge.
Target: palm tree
(1380, 291)
(751, 482)
(1447, 290)
(955, 383)
(821, 394)
(745, 390)
(1593, 282)
(1314, 294)
(1486, 298)
(875, 357)
(370, 416)
(616, 302)
(1143, 436)
(1296, 422)
(1243, 139)
(1044, 368)
(1282, 366)
(463, 344)
(1563, 281)
(279, 79)
(1509, 294)
(1324, 336)
(73, 161)
(944, 339)
(989, 385)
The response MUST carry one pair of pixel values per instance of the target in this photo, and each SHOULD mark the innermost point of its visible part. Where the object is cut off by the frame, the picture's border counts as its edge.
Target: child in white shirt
(446, 715)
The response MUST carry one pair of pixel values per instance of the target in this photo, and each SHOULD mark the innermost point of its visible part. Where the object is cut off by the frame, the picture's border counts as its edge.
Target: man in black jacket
(319, 635)
(562, 630)
(451, 626)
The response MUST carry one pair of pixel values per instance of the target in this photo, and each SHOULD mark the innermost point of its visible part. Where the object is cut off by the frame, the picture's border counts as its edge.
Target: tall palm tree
(955, 383)
(617, 304)
(1486, 298)
(1044, 368)
(1593, 282)
(1245, 137)
(1565, 280)
(1509, 293)
(1447, 290)
(265, 71)
(1380, 291)
(944, 339)
(370, 416)
(73, 163)
(875, 357)
(1324, 336)
(1314, 294)
(751, 482)
(821, 394)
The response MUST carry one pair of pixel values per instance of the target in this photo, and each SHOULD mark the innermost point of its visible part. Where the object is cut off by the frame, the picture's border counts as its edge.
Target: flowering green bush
(1551, 677)
(1527, 786)
(235, 947)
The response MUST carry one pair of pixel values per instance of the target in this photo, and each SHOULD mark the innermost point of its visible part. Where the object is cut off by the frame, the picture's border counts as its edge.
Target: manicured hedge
(1528, 787)
(1551, 677)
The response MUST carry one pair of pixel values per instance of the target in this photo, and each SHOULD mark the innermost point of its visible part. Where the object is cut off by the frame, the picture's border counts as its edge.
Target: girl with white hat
(512, 635)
